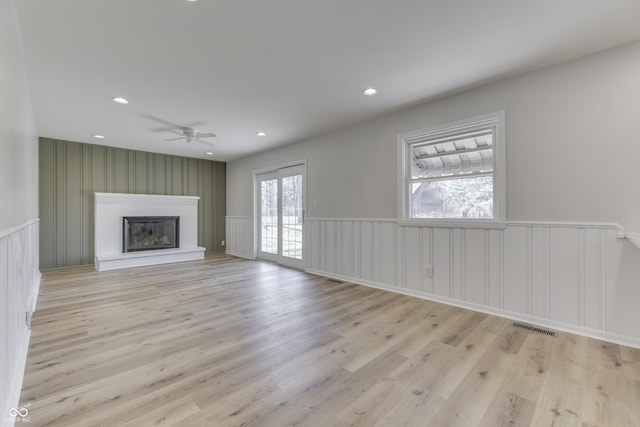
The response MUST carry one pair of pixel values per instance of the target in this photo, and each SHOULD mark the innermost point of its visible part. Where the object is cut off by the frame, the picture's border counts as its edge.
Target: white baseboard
(546, 323)
(240, 255)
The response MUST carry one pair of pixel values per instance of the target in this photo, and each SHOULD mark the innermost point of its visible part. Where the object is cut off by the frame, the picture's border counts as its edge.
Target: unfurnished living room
(329, 213)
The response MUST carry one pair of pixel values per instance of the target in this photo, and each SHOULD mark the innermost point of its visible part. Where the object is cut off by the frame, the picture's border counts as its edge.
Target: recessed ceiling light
(369, 91)
(261, 134)
(208, 153)
(120, 100)
(98, 136)
(192, 1)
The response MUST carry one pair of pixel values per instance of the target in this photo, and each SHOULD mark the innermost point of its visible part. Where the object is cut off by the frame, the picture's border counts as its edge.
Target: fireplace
(145, 233)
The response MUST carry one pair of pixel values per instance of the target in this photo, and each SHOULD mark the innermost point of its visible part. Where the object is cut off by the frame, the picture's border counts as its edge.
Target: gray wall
(571, 143)
(19, 276)
(71, 172)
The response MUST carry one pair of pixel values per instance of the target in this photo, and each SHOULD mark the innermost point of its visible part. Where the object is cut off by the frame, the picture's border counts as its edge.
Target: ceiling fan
(188, 133)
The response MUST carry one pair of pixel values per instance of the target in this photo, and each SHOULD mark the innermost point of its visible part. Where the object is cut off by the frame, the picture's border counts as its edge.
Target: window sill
(437, 223)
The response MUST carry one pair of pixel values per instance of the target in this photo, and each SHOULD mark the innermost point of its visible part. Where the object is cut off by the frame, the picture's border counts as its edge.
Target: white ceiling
(291, 68)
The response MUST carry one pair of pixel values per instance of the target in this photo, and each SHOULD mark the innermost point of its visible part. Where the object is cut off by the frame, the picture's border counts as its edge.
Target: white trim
(146, 258)
(280, 166)
(9, 231)
(239, 255)
(452, 223)
(388, 220)
(620, 232)
(496, 119)
(560, 326)
(237, 217)
(256, 211)
(634, 239)
(144, 196)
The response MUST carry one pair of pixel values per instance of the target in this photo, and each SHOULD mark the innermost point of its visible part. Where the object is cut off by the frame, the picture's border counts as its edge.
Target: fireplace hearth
(146, 233)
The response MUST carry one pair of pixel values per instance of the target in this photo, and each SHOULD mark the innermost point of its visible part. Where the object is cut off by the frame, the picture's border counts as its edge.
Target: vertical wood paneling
(458, 262)
(558, 273)
(141, 172)
(515, 291)
(60, 204)
(355, 239)
(159, 175)
(427, 258)
(476, 266)
(47, 195)
(70, 174)
(86, 214)
(313, 245)
(331, 244)
(366, 251)
(219, 201)
(400, 257)
(496, 270)
(388, 253)
(322, 240)
(565, 295)
(19, 282)
(73, 201)
(592, 279)
(538, 257)
(120, 170)
(412, 262)
(442, 279)
(347, 249)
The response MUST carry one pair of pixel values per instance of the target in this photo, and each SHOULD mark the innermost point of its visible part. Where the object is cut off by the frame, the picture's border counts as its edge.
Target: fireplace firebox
(145, 233)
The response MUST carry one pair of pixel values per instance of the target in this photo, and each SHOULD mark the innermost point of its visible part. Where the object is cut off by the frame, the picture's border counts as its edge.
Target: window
(454, 172)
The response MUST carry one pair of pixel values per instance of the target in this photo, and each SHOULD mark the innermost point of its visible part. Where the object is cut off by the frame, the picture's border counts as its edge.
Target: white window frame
(406, 140)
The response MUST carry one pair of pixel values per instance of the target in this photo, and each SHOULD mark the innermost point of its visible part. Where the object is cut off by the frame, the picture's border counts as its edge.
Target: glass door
(281, 216)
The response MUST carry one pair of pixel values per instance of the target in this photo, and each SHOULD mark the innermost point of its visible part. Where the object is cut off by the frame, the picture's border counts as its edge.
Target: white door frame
(256, 208)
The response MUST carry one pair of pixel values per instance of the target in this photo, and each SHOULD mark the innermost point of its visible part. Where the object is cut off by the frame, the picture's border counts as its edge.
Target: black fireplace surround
(146, 233)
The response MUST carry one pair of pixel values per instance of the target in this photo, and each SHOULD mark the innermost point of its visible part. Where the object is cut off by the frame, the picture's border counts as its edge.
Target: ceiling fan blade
(195, 125)
(177, 132)
(201, 141)
(175, 139)
(206, 135)
(159, 120)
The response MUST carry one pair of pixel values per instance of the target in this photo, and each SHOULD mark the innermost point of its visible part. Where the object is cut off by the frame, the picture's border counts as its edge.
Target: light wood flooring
(231, 342)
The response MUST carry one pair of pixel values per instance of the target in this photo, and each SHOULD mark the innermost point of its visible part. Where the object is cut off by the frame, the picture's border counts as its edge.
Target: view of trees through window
(291, 237)
(453, 198)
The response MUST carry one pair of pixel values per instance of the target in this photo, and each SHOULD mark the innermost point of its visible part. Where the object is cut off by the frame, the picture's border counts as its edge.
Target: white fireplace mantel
(111, 207)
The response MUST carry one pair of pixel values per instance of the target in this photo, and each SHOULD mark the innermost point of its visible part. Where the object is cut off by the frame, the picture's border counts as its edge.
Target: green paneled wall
(71, 172)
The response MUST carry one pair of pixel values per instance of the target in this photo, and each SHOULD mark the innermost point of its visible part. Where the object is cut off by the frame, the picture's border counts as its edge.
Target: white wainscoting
(19, 285)
(581, 278)
(239, 236)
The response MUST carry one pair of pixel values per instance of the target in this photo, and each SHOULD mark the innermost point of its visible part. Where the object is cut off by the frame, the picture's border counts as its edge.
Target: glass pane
(463, 198)
(269, 216)
(292, 216)
(453, 156)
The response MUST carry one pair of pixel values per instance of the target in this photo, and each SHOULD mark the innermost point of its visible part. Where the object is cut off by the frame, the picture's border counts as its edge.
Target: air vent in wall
(534, 329)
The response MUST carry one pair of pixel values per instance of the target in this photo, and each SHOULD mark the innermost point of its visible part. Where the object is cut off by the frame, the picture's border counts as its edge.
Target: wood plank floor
(231, 342)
